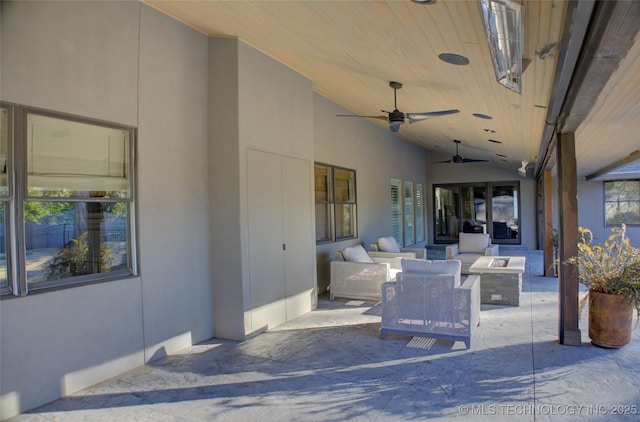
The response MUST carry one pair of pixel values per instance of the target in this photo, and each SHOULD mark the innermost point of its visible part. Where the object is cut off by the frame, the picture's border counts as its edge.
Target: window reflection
(447, 220)
(72, 239)
(474, 211)
(504, 212)
(335, 198)
(4, 279)
(491, 208)
(4, 196)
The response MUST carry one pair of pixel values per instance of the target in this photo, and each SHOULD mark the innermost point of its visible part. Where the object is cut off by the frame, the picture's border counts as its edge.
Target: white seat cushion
(435, 267)
(356, 253)
(473, 242)
(388, 244)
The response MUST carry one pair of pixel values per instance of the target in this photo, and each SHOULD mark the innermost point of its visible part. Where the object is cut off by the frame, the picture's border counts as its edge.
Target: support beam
(547, 219)
(569, 332)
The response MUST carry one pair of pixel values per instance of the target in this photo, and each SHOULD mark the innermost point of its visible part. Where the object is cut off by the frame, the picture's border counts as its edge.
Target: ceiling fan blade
(416, 117)
(471, 160)
(385, 118)
(442, 162)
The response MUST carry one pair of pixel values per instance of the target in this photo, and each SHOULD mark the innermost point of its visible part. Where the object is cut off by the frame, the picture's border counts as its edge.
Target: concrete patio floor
(331, 365)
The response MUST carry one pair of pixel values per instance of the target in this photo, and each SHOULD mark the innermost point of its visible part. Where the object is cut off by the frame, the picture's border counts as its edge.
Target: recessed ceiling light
(501, 155)
(482, 116)
(489, 130)
(454, 59)
(424, 1)
(495, 141)
(539, 106)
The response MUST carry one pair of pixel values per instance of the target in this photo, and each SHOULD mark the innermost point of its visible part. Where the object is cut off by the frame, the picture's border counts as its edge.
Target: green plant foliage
(613, 267)
(47, 212)
(73, 260)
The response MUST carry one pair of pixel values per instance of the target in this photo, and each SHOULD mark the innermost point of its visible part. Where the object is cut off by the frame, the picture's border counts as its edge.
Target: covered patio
(330, 364)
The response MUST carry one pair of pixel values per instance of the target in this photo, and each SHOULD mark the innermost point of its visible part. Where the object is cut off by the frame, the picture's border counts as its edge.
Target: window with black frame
(336, 203)
(4, 198)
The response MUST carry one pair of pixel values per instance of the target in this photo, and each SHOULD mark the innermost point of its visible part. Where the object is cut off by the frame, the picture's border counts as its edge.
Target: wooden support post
(569, 332)
(547, 219)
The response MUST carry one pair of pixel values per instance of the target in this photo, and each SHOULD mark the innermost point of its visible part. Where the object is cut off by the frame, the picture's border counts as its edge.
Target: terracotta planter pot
(610, 320)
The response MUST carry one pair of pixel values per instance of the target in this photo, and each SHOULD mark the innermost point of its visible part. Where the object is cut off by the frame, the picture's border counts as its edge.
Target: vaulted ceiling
(351, 50)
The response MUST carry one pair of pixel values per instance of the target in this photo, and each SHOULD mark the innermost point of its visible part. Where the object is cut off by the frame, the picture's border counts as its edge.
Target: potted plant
(612, 273)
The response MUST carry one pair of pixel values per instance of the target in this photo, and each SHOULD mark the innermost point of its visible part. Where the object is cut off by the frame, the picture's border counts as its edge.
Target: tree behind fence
(44, 236)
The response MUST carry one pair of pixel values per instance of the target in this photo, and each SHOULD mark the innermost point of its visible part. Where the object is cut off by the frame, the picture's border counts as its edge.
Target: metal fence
(44, 236)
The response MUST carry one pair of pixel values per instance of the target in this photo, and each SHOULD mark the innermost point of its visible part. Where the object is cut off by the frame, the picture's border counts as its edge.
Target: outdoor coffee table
(500, 279)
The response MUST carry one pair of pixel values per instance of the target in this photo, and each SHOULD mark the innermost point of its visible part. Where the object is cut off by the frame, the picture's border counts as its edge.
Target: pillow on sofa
(388, 244)
(473, 242)
(425, 266)
(356, 253)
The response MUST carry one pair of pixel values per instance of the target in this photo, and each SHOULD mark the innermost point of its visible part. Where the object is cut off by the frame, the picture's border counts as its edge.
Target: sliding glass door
(491, 208)
(504, 213)
(447, 211)
(474, 209)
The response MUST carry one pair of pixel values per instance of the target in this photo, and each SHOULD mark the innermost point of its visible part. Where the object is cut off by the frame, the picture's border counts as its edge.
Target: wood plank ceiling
(350, 50)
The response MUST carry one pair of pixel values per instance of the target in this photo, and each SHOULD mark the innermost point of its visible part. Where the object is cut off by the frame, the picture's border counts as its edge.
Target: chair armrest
(358, 279)
(469, 293)
(368, 268)
(492, 250)
(392, 259)
(470, 282)
(451, 251)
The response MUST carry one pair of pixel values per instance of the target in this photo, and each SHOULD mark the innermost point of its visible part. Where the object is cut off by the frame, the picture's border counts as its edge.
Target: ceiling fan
(397, 117)
(458, 159)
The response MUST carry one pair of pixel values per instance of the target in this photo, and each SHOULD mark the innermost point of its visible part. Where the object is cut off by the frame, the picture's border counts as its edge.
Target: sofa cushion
(473, 242)
(388, 244)
(356, 253)
(435, 267)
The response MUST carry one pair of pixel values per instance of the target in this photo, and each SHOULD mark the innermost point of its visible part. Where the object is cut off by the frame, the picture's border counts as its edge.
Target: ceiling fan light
(503, 25)
(394, 125)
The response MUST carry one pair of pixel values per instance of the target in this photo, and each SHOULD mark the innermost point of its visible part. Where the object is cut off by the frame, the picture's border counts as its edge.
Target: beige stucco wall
(199, 105)
(270, 110)
(376, 155)
(125, 63)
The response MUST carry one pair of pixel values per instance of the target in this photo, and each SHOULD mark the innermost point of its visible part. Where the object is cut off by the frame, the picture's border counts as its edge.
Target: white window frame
(397, 220)
(617, 203)
(408, 192)
(419, 213)
(407, 212)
